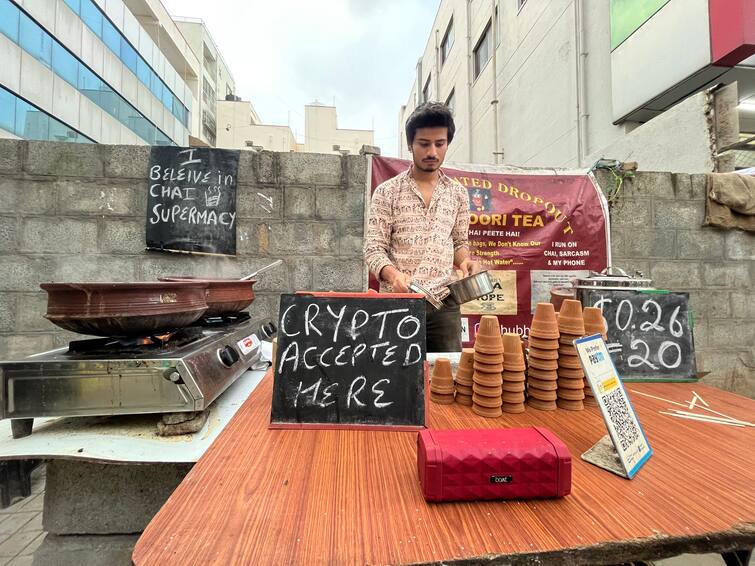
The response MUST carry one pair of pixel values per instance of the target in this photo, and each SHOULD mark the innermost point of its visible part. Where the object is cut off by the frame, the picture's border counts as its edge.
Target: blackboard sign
(347, 359)
(191, 206)
(649, 333)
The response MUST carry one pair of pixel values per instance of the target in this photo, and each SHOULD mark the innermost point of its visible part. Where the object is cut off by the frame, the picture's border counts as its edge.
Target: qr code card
(621, 420)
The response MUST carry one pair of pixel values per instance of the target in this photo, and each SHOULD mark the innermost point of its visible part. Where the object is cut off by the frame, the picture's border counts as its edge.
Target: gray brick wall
(656, 227)
(77, 213)
(72, 212)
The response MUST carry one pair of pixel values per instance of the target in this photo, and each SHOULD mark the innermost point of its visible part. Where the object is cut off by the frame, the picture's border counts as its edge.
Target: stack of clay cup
(442, 382)
(594, 324)
(542, 368)
(464, 377)
(488, 368)
(571, 378)
(513, 374)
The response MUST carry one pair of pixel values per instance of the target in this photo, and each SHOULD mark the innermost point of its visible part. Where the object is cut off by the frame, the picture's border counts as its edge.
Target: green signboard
(628, 15)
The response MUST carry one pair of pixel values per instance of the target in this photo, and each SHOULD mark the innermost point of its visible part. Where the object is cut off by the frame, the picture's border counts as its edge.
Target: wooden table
(262, 496)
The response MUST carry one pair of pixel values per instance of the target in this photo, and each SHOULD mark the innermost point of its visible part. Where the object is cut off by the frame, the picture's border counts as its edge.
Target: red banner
(531, 230)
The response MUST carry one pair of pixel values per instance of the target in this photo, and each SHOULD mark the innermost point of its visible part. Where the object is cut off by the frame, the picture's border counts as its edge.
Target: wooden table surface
(262, 496)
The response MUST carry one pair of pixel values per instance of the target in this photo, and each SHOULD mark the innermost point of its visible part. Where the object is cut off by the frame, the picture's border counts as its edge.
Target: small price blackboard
(191, 204)
(350, 360)
(649, 333)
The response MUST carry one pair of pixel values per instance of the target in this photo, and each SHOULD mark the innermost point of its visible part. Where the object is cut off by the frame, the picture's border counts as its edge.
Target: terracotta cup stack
(513, 374)
(542, 373)
(464, 377)
(442, 382)
(594, 324)
(571, 378)
(488, 368)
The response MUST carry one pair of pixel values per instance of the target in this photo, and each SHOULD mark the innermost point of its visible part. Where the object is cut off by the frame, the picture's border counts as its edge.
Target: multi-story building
(554, 82)
(92, 71)
(217, 81)
(322, 134)
(239, 126)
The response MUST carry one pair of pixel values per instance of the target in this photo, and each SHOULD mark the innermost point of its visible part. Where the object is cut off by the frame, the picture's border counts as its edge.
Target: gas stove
(178, 372)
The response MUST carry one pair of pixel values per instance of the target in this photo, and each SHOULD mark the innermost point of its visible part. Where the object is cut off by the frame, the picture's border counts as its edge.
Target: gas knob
(228, 356)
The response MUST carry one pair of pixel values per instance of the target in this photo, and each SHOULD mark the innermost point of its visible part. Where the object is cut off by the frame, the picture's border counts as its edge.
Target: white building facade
(554, 82)
(216, 78)
(89, 71)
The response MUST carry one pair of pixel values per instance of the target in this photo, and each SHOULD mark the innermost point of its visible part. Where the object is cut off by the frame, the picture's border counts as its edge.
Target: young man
(418, 225)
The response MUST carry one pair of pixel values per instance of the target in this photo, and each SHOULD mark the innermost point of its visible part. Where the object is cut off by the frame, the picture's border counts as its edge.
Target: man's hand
(400, 282)
(469, 267)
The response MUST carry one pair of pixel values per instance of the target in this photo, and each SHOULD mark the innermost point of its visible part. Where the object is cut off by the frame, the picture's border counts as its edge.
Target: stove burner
(128, 346)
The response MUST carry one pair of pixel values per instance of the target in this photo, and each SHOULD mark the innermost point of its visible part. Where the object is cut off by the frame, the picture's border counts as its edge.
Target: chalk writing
(350, 360)
(192, 199)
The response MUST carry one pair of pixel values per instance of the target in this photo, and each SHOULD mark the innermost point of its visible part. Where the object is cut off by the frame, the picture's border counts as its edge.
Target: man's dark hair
(430, 115)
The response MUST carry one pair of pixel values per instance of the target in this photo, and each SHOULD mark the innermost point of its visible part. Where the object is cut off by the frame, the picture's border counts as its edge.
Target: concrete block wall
(72, 212)
(656, 227)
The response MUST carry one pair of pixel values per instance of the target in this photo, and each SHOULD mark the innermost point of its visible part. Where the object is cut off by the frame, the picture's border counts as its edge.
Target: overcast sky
(284, 54)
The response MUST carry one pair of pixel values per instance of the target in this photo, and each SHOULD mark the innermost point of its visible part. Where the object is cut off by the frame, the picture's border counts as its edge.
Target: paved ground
(21, 532)
(21, 525)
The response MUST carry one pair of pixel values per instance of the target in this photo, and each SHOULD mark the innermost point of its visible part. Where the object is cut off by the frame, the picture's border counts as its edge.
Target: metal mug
(471, 287)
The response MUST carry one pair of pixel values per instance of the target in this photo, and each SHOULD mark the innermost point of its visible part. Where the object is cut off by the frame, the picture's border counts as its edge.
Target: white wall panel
(112, 70)
(90, 118)
(129, 86)
(660, 54)
(65, 102)
(131, 28)
(43, 11)
(143, 99)
(68, 28)
(36, 82)
(92, 50)
(111, 130)
(10, 69)
(114, 10)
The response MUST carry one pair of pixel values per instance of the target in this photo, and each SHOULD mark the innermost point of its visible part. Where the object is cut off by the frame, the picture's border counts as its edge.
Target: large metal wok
(125, 309)
(224, 296)
(227, 296)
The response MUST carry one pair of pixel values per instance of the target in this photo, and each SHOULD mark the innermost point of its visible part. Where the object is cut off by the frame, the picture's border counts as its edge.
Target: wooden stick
(702, 419)
(743, 423)
(700, 399)
(683, 405)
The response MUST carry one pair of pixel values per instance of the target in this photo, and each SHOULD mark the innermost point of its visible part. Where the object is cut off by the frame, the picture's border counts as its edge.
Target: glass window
(7, 111)
(167, 98)
(75, 5)
(447, 43)
(60, 132)
(92, 16)
(155, 85)
(31, 123)
(482, 51)
(128, 55)
(142, 71)
(109, 101)
(145, 130)
(9, 20)
(65, 64)
(35, 41)
(161, 139)
(89, 84)
(426, 90)
(451, 100)
(111, 37)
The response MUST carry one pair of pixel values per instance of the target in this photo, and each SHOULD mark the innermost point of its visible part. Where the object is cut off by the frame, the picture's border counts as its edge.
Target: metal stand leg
(21, 427)
(737, 557)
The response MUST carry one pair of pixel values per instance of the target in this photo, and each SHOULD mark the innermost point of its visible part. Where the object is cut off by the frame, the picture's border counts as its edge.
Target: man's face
(429, 148)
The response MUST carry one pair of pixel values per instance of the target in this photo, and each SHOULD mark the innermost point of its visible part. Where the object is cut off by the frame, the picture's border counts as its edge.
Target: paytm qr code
(620, 418)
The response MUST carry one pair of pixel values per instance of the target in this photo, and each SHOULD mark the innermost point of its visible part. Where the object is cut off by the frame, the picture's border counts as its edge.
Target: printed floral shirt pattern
(418, 240)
